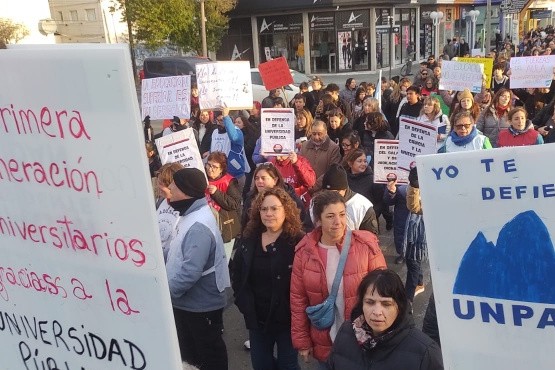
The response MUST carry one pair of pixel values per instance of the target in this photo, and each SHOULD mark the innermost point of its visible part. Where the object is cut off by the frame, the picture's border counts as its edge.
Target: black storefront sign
(322, 21)
(280, 24)
(385, 30)
(540, 13)
(356, 19)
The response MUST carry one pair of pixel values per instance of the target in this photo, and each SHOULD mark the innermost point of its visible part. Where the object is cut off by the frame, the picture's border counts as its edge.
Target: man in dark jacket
(411, 108)
(313, 97)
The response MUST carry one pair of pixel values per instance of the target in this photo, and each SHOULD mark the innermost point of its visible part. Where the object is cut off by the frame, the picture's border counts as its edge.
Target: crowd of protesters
(293, 231)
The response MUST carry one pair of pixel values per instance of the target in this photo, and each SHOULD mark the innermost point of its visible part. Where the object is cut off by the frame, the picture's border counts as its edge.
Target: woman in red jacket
(314, 268)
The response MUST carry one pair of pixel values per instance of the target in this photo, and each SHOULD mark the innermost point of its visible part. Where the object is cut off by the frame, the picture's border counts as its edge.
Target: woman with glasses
(349, 142)
(464, 136)
(224, 198)
(430, 87)
(314, 268)
(261, 276)
(267, 176)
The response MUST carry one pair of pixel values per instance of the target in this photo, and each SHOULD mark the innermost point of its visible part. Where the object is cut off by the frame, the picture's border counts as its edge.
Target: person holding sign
(521, 131)
(315, 266)
(197, 272)
(464, 136)
(431, 114)
(229, 140)
(495, 117)
(261, 276)
(380, 333)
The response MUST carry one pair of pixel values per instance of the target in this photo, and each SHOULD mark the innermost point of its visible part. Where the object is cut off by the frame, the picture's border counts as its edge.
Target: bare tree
(11, 32)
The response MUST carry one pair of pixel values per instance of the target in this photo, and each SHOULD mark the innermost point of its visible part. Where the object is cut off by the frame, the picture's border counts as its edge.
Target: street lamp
(436, 18)
(473, 16)
(203, 29)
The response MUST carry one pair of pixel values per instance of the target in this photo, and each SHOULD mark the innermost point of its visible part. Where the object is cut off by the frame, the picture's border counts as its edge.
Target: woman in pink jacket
(314, 268)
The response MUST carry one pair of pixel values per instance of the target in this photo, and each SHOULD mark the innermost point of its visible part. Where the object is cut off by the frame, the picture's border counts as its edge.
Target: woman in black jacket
(261, 276)
(381, 333)
(204, 126)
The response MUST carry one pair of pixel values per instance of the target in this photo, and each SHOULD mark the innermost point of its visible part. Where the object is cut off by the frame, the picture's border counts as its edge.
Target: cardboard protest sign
(278, 131)
(458, 76)
(224, 84)
(275, 73)
(180, 147)
(415, 138)
(531, 72)
(165, 97)
(385, 162)
(488, 66)
(82, 272)
(490, 223)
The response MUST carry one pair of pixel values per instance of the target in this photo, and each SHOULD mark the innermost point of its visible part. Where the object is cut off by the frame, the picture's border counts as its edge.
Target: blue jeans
(414, 277)
(262, 350)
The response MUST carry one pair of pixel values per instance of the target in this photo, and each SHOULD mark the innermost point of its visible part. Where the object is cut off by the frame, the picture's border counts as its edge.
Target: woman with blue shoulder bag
(329, 264)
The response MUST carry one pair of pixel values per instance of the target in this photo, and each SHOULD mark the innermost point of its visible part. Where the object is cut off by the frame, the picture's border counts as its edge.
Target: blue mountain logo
(520, 268)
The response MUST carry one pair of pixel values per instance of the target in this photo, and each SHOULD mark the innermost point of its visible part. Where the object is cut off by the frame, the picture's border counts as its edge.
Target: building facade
(351, 35)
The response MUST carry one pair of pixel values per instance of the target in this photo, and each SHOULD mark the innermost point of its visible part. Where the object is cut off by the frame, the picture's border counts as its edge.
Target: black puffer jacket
(410, 349)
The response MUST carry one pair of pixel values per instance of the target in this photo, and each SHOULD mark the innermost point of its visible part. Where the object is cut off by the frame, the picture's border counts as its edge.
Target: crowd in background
(293, 231)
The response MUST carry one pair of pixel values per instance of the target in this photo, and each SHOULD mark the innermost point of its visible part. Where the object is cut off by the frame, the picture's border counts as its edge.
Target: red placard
(275, 73)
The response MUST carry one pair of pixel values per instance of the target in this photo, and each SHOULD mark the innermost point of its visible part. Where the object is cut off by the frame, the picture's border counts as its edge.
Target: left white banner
(82, 277)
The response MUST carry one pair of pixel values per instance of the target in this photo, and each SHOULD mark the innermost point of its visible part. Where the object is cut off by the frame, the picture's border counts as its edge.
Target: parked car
(259, 91)
(171, 66)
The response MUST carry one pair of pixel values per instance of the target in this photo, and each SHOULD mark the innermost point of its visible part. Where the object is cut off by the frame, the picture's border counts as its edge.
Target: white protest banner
(165, 97)
(458, 76)
(385, 162)
(490, 222)
(488, 66)
(529, 72)
(278, 131)
(82, 277)
(415, 138)
(224, 84)
(180, 147)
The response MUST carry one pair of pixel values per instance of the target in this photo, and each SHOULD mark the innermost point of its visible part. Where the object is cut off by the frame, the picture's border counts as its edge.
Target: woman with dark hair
(337, 125)
(204, 126)
(381, 333)
(350, 141)
(521, 132)
(261, 276)
(224, 197)
(357, 108)
(315, 265)
(361, 180)
(430, 87)
(250, 136)
(267, 176)
(375, 127)
(495, 117)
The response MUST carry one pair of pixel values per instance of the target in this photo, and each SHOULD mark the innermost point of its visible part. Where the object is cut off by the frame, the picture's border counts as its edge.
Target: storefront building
(346, 35)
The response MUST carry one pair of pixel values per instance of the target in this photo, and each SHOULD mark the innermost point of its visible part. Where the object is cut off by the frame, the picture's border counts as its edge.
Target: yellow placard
(488, 66)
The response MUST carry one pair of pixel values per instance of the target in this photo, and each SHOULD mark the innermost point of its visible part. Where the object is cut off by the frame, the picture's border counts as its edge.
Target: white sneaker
(247, 345)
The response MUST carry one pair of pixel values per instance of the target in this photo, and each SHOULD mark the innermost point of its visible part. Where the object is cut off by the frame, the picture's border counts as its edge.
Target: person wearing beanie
(197, 272)
(360, 210)
(465, 103)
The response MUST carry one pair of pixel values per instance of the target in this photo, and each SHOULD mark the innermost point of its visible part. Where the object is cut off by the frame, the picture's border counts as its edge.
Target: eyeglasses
(424, 74)
(271, 208)
(212, 167)
(466, 126)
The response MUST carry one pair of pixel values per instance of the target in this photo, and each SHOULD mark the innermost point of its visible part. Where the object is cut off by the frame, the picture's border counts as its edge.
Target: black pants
(200, 338)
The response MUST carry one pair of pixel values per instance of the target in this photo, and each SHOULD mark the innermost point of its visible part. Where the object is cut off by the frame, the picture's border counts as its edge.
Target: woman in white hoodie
(431, 114)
